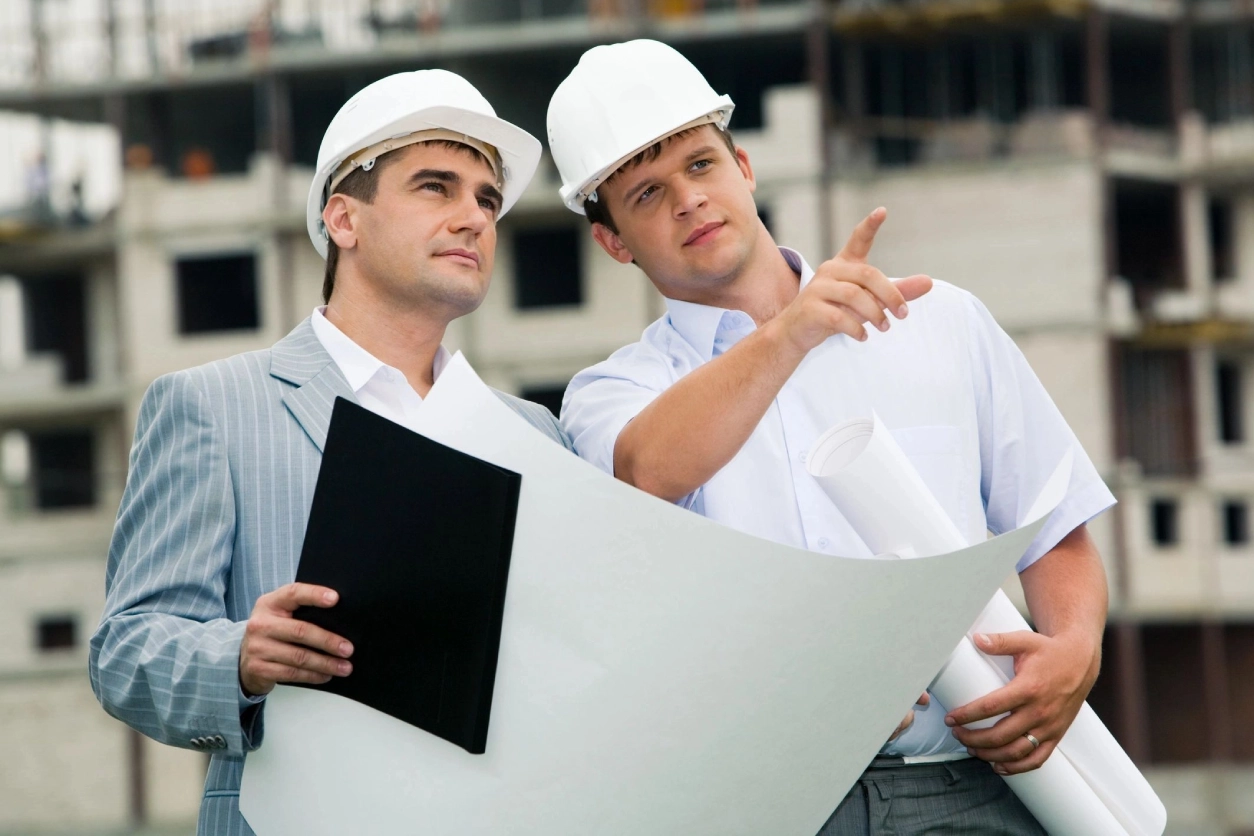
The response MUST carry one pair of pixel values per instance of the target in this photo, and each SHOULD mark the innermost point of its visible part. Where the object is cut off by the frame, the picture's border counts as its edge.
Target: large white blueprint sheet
(659, 673)
(1089, 786)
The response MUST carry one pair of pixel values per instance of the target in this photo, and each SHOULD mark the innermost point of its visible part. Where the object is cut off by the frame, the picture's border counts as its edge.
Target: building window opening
(217, 293)
(1236, 522)
(1165, 522)
(1223, 71)
(1139, 86)
(1148, 248)
(63, 468)
(1158, 424)
(1238, 641)
(1175, 693)
(547, 270)
(59, 632)
(1230, 407)
(896, 97)
(56, 322)
(1223, 255)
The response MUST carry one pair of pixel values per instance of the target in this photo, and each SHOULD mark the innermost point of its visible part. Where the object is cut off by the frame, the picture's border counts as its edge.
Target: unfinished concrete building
(1086, 167)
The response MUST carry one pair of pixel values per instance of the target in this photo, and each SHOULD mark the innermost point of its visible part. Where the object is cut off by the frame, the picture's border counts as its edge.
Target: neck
(762, 286)
(401, 337)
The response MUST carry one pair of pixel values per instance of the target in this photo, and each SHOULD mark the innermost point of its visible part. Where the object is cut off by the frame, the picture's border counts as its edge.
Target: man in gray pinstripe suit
(413, 174)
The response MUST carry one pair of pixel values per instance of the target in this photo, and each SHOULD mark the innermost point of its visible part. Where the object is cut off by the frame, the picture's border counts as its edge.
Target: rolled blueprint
(1089, 786)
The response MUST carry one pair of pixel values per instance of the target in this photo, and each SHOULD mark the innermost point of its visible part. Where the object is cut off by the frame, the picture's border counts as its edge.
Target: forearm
(172, 678)
(1067, 595)
(165, 658)
(696, 426)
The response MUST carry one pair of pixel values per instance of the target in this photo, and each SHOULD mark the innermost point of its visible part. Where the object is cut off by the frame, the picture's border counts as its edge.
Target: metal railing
(57, 42)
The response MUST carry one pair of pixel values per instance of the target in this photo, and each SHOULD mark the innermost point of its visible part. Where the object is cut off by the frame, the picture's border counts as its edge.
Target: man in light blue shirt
(758, 354)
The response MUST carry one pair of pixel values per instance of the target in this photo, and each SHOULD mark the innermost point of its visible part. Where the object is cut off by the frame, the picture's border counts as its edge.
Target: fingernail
(862, 337)
(346, 649)
(902, 311)
(344, 668)
(883, 326)
(1000, 770)
(329, 596)
(949, 721)
(970, 751)
(982, 640)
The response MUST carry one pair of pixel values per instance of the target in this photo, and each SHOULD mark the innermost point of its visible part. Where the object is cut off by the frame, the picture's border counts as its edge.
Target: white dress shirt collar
(704, 326)
(358, 365)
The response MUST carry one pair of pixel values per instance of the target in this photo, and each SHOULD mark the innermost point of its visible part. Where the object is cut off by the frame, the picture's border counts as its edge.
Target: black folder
(416, 539)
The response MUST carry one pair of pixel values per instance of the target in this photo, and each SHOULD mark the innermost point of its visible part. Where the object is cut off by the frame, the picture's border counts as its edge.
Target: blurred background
(1086, 167)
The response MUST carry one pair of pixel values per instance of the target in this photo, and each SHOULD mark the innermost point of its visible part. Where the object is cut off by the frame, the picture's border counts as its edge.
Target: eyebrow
(690, 158)
(453, 178)
(435, 174)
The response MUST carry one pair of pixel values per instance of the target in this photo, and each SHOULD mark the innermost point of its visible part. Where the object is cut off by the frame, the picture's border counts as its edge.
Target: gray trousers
(964, 796)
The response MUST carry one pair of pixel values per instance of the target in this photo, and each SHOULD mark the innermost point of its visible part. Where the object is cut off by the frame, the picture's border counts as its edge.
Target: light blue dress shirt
(956, 392)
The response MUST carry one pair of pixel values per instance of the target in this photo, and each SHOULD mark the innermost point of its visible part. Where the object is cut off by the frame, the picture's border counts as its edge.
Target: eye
(644, 195)
(435, 186)
(701, 165)
(490, 205)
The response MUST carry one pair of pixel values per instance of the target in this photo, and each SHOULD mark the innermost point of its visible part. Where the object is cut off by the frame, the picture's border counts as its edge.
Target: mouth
(703, 233)
(459, 256)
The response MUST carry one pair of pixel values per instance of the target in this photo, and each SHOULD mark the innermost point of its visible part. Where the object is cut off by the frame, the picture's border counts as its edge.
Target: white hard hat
(619, 100)
(415, 106)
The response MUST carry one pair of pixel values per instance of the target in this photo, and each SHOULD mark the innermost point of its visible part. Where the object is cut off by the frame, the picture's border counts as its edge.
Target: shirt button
(824, 542)
(801, 457)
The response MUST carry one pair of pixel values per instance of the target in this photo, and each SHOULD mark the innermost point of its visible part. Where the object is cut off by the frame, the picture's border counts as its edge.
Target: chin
(715, 265)
(459, 294)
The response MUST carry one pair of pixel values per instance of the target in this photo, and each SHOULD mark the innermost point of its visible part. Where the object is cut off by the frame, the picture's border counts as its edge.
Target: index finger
(295, 595)
(858, 247)
(1007, 698)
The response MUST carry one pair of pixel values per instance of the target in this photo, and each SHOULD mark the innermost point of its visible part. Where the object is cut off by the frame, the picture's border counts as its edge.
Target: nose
(468, 215)
(688, 197)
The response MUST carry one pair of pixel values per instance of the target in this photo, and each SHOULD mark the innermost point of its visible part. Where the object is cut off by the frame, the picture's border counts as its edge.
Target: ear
(612, 244)
(742, 160)
(338, 216)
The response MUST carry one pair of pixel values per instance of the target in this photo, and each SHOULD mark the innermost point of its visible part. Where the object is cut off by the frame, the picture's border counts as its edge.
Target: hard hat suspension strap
(365, 158)
(589, 191)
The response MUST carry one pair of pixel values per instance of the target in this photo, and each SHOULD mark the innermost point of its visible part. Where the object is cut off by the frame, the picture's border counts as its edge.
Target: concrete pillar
(1205, 406)
(104, 342)
(1195, 239)
(12, 324)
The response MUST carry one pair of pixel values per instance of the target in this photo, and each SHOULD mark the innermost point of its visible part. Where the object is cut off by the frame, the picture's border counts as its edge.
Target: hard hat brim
(519, 150)
(720, 117)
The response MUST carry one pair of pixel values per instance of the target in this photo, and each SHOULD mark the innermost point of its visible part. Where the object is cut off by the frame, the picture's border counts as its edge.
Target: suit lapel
(300, 359)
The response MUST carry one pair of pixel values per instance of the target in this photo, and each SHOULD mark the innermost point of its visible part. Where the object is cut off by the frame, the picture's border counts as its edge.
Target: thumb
(912, 287)
(1005, 644)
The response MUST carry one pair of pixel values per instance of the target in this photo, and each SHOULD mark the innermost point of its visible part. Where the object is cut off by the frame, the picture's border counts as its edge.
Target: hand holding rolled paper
(1053, 674)
(1086, 786)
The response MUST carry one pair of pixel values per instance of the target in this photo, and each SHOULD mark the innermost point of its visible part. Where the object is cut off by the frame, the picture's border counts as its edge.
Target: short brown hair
(598, 211)
(363, 185)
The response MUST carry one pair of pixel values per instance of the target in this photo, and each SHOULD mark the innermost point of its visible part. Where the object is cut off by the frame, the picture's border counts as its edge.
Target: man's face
(687, 218)
(429, 236)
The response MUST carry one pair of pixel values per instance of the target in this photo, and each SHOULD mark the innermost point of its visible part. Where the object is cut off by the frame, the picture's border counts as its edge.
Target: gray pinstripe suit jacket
(221, 479)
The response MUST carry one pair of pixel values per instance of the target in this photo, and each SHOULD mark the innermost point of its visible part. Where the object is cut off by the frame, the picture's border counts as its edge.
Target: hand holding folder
(416, 539)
